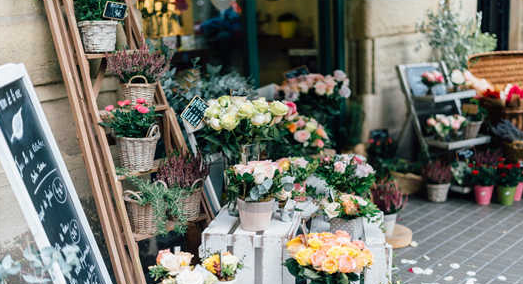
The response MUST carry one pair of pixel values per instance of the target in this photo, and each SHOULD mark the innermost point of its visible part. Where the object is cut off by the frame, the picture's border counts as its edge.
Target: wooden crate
(263, 252)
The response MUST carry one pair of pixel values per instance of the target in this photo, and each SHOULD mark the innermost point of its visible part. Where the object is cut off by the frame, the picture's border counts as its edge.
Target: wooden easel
(83, 92)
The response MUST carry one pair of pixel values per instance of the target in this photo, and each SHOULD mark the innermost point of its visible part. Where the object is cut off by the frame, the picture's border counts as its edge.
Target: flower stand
(265, 251)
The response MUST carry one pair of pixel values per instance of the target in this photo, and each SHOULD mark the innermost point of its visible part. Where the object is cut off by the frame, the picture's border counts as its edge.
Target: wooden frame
(10, 73)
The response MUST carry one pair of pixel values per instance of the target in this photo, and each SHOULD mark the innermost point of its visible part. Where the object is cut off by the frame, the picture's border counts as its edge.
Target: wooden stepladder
(83, 91)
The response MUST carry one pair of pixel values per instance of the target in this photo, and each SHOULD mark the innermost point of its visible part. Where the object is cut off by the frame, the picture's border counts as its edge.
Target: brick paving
(486, 242)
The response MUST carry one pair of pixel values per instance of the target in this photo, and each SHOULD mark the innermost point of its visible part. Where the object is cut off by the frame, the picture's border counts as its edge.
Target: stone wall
(26, 38)
(381, 35)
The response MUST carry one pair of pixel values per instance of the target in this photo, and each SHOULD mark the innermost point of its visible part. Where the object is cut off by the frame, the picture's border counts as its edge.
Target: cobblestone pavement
(459, 241)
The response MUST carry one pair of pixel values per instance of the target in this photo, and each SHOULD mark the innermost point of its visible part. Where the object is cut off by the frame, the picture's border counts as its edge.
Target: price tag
(194, 112)
(115, 11)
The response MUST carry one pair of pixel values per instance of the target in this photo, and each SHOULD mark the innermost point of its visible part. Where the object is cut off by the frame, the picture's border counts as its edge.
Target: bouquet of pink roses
(432, 78)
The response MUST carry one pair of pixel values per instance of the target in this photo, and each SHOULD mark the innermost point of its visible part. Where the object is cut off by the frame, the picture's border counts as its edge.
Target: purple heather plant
(387, 196)
(437, 172)
(128, 63)
(181, 171)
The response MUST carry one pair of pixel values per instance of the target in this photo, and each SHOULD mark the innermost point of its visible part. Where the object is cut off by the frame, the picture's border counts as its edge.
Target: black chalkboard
(41, 182)
(115, 10)
(417, 87)
(296, 72)
(194, 111)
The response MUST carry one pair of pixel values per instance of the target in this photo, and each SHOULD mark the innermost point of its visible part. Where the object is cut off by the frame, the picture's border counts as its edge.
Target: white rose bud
(278, 108)
(229, 121)
(258, 119)
(215, 124)
(261, 105)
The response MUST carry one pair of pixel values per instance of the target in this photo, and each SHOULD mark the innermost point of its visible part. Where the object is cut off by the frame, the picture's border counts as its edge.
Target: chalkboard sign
(296, 72)
(194, 111)
(465, 155)
(40, 180)
(417, 87)
(115, 10)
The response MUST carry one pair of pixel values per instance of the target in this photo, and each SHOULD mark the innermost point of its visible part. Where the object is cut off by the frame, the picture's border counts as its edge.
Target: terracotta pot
(483, 194)
(438, 192)
(255, 216)
(389, 222)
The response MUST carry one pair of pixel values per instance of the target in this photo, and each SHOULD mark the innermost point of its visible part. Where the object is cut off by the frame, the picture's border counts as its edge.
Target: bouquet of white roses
(446, 127)
(254, 181)
(235, 121)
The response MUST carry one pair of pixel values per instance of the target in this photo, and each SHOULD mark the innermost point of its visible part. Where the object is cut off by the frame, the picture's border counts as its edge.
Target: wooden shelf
(93, 56)
(453, 145)
(136, 174)
(170, 227)
(447, 97)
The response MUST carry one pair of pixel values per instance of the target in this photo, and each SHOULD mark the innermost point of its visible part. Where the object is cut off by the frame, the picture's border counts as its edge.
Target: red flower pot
(519, 192)
(483, 194)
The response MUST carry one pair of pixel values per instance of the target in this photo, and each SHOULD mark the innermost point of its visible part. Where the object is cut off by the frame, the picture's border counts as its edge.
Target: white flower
(215, 124)
(339, 75)
(213, 111)
(168, 281)
(258, 119)
(331, 208)
(230, 261)
(229, 121)
(261, 105)
(360, 200)
(268, 118)
(457, 77)
(345, 92)
(363, 170)
(246, 110)
(300, 162)
(190, 277)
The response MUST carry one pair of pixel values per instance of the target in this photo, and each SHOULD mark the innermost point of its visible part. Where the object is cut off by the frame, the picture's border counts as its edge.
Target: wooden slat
(135, 174)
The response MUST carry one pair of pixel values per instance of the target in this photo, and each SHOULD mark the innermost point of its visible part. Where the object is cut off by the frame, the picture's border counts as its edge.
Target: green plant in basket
(89, 10)
(131, 121)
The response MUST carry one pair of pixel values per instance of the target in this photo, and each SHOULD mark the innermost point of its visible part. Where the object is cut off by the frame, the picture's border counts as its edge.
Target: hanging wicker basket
(132, 91)
(142, 218)
(137, 154)
(98, 36)
(191, 204)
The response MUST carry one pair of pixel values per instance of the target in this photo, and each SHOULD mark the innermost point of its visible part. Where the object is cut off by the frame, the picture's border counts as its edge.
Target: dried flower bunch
(507, 131)
(437, 172)
(128, 63)
(387, 196)
(182, 170)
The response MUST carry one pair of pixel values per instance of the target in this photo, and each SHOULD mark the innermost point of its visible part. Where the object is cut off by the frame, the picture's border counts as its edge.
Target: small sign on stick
(194, 112)
(115, 11)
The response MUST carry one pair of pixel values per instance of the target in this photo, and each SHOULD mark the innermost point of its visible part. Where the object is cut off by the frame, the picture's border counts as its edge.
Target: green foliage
(164, 201)
(480, 115)
(455, 39)
(352, 126)
(131, 121)
(40, 263)
(245, 187)
(158, 272)
(318, 277)
(89, 10)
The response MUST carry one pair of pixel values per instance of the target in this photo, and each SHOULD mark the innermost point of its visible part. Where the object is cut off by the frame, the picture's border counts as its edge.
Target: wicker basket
(472, 129)
(191, 204)
(408, 183)
(142, 218)
(513, 151)
(98, 36)
(132, 91)
(137, 154)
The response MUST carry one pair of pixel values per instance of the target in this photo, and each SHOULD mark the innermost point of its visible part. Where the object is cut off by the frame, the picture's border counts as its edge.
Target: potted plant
(236, 126)
(390, 200)
(407, 174)
(253, 185)
(435, 82)
(152, 206)
(185, 174)
(294, 172)
(519, 188)
(98, 34)
(224, 265)
(315, 259)
(508, 177)
(437, 177)
(138, 71)
(475, 116)
(347, 173)
(446, 127)
(136, 133)
(173, 268)
(347, 211)
(483, 178)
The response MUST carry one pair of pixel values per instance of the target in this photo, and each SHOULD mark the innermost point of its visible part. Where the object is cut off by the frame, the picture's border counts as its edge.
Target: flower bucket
(98, 36)
(250, 152)
(506, 195)
(354, 227)
(137, 154)
(389, 222)
(141, 217)
(483, 194)
(519, 192)
(191, 204)
(438, 192)
(255, 216)
(472, 129)
(408, 183)
(132, 91)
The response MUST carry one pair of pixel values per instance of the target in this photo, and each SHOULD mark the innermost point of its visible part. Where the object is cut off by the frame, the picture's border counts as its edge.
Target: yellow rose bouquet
(327, 258)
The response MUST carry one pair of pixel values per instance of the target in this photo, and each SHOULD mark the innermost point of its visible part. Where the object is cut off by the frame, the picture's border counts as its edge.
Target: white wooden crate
(263, 252)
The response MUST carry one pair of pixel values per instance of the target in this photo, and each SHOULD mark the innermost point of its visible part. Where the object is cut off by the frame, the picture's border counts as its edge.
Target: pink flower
(137, 106)
(345, 92)
(161, 254)
(140, 101)
(300, 123)
(109, 108)
(339, 167)
(318, 143)
(359, 244)
(304, 87)
(292, 108)
(241, 169)
(346, 264)
(318, 257)
(431, 122)
(124, 103)
(339, 75)
(302, 136)
(320, 88)
(456, 124)
(142, 109)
